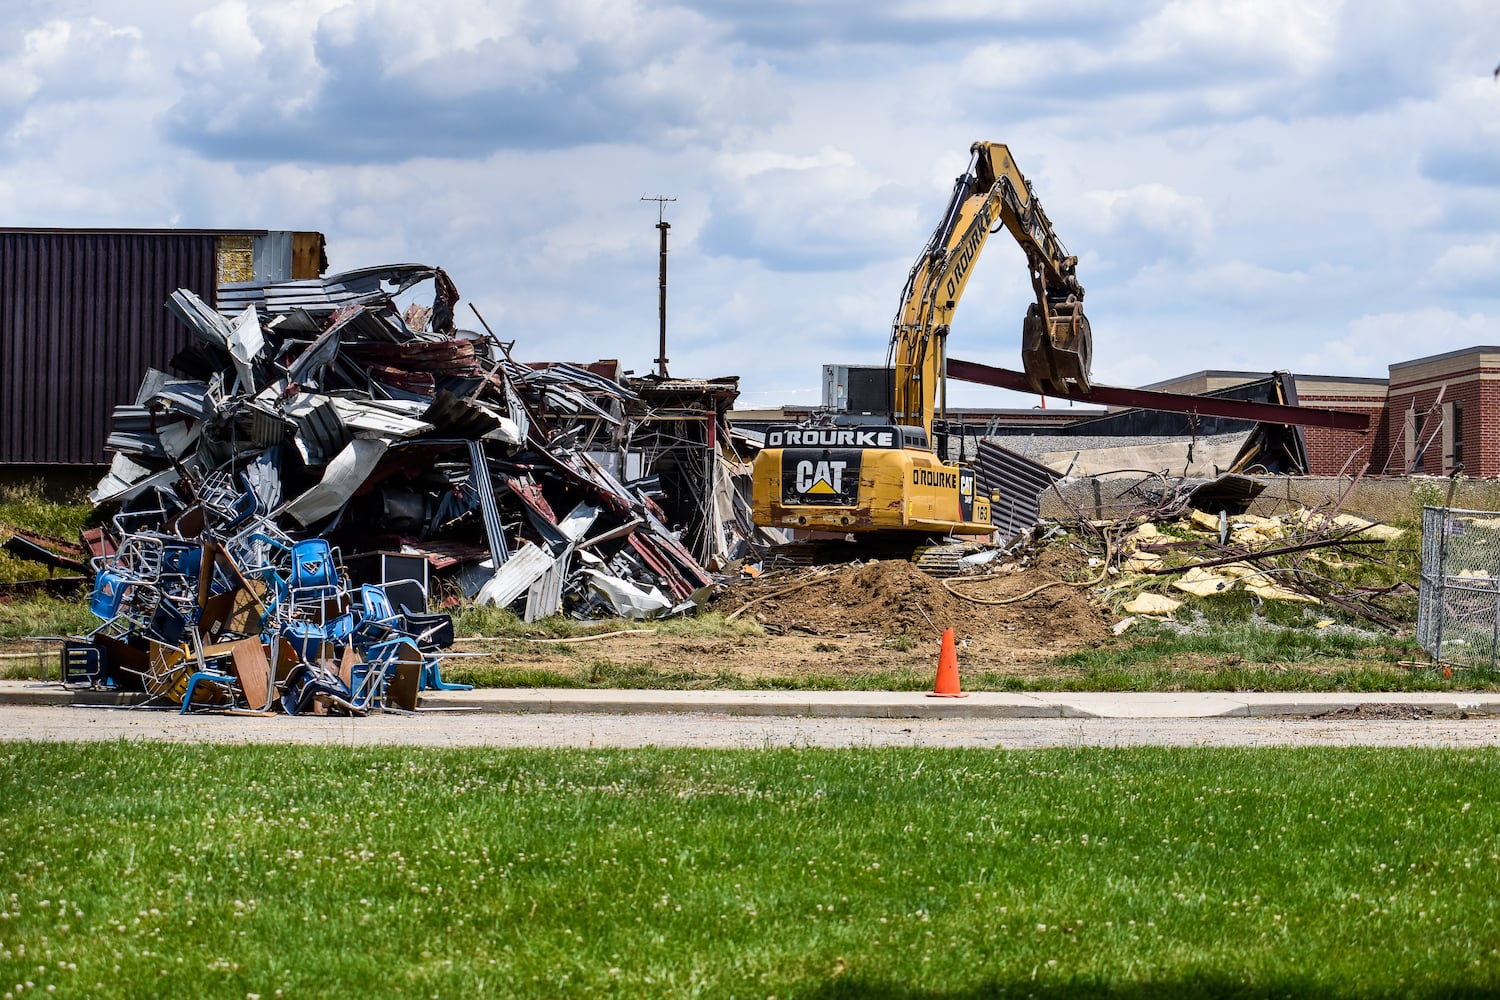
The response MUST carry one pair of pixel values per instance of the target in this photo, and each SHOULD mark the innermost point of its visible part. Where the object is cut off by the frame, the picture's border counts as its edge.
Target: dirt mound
(883, 596)
(895, 599)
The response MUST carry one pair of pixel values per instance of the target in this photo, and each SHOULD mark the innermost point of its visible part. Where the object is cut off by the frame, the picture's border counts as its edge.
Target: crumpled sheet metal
(335, 412)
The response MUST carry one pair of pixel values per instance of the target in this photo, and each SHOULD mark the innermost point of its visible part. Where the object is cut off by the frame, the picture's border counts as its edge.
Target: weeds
(708, 625)
(34, 616)
(25, 507)
(501, 623)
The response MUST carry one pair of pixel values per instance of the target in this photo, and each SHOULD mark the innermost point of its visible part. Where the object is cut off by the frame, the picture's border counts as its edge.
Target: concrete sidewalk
(888, 704)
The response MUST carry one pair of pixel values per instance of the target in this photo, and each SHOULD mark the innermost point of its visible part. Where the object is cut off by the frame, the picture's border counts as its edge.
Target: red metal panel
(81, 318)
(1209, 406)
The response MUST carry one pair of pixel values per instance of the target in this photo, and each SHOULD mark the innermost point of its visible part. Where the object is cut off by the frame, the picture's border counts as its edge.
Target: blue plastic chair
(313, 566)
(381, 625)
(109, 594)
(226, 681)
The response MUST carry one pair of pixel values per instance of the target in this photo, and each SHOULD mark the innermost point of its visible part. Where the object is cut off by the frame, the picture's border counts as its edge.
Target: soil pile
(895, 598)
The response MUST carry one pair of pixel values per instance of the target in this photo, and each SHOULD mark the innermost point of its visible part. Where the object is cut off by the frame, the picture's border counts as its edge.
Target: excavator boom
(1056, 343)
(885, 482)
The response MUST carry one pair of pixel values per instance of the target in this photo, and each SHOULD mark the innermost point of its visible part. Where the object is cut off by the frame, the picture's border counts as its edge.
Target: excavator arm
(887, 480)
(1056, 345)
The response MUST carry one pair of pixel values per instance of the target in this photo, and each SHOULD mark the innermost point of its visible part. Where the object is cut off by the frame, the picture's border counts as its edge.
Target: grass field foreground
(155, 870)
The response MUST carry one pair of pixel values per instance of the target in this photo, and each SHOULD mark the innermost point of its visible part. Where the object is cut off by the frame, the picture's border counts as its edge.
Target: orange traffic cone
(947, 672)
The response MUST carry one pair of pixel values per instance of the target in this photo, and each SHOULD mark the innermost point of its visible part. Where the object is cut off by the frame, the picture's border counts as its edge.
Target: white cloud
(450, 46)
(1299, 33)
(1248, 185)
(69, 60)
(1150, 221)
(752, 163)
(818, 211)
(227, 40)
(1464, 264)
(1370, 344)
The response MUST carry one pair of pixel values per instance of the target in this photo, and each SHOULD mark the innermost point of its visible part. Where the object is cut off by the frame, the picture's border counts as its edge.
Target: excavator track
(940, 560)
(936, 559)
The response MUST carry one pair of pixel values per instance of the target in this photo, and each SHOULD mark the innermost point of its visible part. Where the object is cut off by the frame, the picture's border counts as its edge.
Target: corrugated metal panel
(1020, 483)
(322, 295)
(273, 257)
(81, 318)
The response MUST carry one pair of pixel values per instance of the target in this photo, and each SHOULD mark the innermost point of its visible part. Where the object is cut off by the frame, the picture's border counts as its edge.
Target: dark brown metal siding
(82, 316)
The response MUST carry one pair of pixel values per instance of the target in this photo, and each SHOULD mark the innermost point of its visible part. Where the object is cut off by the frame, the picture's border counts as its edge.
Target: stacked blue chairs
(143, 576)
(384, 629)
(216, 678)
(168, 599)
(306, 595)
(381, 639)
(146, 593)
(228, 507)
(306, 682)
(317, 599)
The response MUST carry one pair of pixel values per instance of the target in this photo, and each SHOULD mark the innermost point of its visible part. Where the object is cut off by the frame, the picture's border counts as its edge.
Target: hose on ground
(1109, 551)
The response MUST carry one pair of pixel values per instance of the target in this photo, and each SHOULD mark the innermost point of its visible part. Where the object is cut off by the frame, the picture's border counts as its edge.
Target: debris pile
(1199, 540)
(318, 413)
(248, 621)
(332, 413)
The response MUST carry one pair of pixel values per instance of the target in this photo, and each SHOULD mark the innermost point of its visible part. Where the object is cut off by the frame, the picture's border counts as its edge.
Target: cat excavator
(885, 482)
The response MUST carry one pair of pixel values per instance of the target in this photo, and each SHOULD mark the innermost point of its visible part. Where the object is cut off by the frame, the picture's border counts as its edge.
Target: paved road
(477, 729)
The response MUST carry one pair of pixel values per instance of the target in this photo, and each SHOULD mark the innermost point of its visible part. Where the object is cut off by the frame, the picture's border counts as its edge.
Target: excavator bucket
(1058, 349)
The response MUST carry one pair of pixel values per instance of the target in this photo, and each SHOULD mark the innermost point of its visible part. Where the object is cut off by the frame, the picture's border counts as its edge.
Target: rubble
(1203, 539)
(316, 417)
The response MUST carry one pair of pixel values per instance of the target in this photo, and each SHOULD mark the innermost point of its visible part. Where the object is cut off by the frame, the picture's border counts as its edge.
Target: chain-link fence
(1457, 617)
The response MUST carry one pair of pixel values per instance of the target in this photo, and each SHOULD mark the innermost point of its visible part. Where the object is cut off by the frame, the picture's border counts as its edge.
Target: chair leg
(202, 675)
(432, 678)
(367, 687)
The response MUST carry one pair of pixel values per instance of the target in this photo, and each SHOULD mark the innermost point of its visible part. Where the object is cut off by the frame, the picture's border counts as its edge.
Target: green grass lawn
(150, 870)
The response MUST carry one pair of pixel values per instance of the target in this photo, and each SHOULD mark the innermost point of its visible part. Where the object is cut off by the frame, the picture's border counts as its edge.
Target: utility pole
(662, 226)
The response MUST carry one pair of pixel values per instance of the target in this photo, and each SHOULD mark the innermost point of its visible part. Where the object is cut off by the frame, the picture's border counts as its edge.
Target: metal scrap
(322, 413)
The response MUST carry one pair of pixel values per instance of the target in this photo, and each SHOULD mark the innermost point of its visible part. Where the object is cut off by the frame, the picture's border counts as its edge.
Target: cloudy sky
(1311, 185)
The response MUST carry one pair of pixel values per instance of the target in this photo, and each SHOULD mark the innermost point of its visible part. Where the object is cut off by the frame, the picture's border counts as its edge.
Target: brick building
(1443, 411)
(1431, 415)
(1331, 452)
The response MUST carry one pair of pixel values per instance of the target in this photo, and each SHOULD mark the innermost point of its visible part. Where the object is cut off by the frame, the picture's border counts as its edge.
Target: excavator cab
(1057, 347)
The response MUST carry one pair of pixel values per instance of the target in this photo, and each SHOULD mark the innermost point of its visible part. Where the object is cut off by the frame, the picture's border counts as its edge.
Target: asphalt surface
(704, 730)
(754, 719)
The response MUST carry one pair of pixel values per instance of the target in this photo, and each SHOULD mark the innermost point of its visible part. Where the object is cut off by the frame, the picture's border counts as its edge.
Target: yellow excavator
(886, 480)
